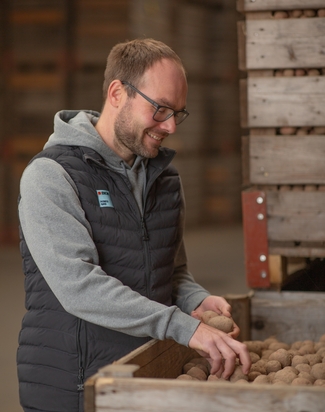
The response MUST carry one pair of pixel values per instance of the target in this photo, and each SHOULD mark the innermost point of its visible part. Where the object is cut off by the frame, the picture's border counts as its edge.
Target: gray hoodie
(60, 240)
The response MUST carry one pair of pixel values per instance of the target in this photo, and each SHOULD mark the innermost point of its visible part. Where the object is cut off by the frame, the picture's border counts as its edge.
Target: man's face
(136, 132)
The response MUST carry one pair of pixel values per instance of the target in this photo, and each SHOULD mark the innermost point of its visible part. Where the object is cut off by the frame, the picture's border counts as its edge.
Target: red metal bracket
(255, 239)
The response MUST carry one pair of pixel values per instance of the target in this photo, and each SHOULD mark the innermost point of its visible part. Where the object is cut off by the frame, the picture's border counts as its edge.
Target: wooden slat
(256, 5)
(161, 395)
(286, 159)
(48, 16)
(285, 43)
(296, 216)
(286, 101)
(289, 316)
(152, 361)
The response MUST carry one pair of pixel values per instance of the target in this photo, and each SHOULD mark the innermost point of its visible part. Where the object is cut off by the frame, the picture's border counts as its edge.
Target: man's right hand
(221, 350)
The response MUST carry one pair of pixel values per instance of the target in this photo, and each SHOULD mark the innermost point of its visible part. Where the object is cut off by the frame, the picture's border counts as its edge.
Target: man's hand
(219, 305)
(220, 349)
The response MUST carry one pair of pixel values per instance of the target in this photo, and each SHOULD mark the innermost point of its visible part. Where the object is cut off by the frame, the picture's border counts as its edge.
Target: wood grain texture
(256, 5)
(286, 159)
(289, 316)
(286, 101)
(296, 216)
(161, 395)
(285, 43)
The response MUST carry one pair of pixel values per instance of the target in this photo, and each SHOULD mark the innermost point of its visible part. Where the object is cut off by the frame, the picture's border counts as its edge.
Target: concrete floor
(216, 259)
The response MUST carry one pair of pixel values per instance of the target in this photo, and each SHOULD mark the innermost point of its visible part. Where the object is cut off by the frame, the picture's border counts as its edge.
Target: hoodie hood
(77, 128)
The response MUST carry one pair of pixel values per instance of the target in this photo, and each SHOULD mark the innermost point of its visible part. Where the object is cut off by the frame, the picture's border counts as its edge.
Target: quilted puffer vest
(58, 351)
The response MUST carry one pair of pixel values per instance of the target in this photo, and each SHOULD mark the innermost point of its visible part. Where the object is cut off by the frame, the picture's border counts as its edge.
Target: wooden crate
(144, 379)
(281, 51)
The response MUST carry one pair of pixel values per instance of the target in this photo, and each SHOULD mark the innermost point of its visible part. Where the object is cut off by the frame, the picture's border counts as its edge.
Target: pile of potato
(273, 362)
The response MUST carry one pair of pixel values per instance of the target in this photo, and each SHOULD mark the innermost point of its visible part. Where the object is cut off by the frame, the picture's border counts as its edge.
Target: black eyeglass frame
(178, 120)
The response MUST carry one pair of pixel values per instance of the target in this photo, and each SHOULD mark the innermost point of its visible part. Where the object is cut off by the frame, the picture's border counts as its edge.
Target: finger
(245, 360)
(235, 332)
(195, 315)
(242, 352)
(217, 369)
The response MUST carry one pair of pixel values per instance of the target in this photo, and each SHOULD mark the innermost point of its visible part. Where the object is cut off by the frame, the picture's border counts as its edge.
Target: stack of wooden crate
(34, 71)
(282, 52)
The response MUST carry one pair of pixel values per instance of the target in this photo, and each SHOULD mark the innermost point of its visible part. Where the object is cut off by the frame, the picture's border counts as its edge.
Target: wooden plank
(256, 5)
(277, 270)
(289, 316)
(161, 395)
(243, 103)
(286, 101)
(296, 216)
(151, 359)
(286, 159)
(241, 35)
(285, 43)
(240, 305)
(302, 249)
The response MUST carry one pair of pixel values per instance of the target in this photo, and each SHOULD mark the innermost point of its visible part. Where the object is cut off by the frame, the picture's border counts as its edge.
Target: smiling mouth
(157, 138)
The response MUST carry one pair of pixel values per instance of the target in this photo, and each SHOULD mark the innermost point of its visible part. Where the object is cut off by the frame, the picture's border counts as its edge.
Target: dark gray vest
(58, 351)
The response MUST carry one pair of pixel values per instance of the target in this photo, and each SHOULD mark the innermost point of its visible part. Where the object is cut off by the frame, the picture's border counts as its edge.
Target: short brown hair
(128, 61)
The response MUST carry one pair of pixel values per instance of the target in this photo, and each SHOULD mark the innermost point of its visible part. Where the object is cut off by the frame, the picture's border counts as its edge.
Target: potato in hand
(217, 321)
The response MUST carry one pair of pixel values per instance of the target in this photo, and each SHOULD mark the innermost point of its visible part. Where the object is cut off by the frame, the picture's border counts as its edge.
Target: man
(101, 213)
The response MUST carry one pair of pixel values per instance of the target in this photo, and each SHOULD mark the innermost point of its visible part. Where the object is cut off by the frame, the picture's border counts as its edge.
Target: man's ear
(115, 93)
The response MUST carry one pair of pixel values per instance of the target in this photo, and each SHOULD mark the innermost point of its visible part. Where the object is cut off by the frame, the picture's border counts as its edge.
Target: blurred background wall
(53, 55)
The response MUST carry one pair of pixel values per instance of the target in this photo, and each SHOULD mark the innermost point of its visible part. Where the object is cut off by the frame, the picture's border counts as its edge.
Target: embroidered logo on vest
(104, 198)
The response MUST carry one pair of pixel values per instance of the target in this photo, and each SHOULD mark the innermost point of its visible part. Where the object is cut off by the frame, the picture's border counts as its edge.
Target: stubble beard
(128, 135)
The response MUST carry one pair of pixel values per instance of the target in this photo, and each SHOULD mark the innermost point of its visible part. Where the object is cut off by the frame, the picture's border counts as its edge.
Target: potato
(321, 351)
(282, 356)
(188, 366)
(184, 377)
(297, 345)
(319, 382)
(266, 353)
(318, 371)
(298, 359)
(238, 374)
(254, 346)
(222, 323)
(303, 367)
(268, 341)
(254, 357)
(261, 379)
(314, 358)
(207, 315)
(306, 375)
(301, 382)
(306, 348)
(259, 366)
(286, 375)
(201, 361)
(197, 373)
(273, 366)
(253, 375)
(241, 381)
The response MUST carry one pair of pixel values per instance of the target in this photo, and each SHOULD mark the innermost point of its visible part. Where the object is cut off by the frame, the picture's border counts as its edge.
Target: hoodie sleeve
(60, 240)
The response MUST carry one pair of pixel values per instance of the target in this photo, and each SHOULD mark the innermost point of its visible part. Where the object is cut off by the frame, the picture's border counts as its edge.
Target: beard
(129, 135)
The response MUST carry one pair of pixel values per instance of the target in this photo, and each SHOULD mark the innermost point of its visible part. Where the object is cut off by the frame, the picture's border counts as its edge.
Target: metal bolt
(262, 258)
(263, 274)
(259, 200)
(260, 216)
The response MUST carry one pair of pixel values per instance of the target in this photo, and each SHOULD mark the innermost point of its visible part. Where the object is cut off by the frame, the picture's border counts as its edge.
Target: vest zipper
(80, 386)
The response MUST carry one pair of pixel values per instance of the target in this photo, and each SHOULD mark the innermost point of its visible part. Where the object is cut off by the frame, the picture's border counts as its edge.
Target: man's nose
(170, 125)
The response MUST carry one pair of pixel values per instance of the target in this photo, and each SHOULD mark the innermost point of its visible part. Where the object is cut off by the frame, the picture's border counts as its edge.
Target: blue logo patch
(104, 198)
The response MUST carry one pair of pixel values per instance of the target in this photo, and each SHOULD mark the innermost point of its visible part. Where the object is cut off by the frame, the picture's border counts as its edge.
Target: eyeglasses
(162, 113)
